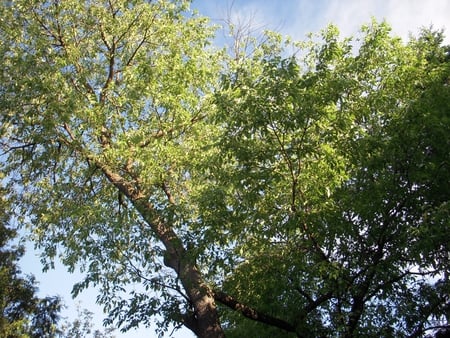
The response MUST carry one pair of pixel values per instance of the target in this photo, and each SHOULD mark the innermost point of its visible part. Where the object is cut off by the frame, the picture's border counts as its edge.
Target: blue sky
(300, 17)
(291, 17)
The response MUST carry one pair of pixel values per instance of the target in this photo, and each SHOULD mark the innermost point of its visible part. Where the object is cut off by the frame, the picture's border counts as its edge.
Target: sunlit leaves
(91, 83)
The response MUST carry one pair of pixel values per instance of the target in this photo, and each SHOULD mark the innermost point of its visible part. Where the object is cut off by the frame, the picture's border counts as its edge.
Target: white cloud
(405, 16)
(349, 15)
(300, 17)
(409, 16)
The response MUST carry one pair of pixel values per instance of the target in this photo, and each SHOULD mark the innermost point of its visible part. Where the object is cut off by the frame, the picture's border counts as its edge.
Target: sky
(295, 18)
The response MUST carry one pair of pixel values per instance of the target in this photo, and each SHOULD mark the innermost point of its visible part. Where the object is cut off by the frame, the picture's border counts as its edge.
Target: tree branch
(251, 313)
(169, 195)
(9, 148)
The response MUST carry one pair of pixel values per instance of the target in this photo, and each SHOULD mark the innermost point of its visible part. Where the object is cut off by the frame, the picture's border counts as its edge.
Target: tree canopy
(270, 192)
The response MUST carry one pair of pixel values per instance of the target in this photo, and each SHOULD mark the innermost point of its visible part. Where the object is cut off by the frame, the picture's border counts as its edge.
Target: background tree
(82, 327)
(22, 312)
(307, 192)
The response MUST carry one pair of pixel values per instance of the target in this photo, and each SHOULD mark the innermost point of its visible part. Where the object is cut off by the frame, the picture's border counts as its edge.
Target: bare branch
(22, 146)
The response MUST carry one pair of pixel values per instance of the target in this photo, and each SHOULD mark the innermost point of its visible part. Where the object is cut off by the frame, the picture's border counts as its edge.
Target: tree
(298, 191)
(81, 327)
(339, 172)
(110, 117)
(23, 314)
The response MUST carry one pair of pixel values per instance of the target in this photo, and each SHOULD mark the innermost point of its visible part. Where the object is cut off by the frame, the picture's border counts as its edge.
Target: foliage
(340, 184)
(102, 104)
(23, 314)
(308, 192)
(82, 326)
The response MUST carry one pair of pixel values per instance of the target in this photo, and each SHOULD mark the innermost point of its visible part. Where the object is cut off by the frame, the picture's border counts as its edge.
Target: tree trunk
(204, 322)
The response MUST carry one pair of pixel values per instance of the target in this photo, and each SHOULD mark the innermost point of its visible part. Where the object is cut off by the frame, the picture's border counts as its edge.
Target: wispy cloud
(405, 16)
(409, 16)
(300, 17)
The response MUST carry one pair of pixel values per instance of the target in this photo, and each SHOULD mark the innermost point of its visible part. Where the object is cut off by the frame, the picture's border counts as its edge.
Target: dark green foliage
(340, 182)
